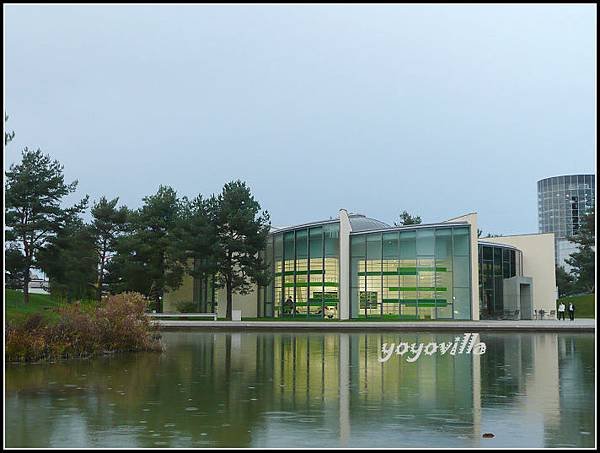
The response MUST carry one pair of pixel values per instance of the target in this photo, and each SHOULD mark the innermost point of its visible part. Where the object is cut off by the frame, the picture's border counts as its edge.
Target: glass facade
(562, 202)
(421, 273)
(495, 264)
(305, 266)
(411, 274)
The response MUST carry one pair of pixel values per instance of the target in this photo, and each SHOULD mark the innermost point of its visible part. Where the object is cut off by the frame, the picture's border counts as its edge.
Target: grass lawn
(38, 303)
(585, 305)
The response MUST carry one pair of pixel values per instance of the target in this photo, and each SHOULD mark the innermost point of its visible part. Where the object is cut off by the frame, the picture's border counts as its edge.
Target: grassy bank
(585, 305)
(44, 304)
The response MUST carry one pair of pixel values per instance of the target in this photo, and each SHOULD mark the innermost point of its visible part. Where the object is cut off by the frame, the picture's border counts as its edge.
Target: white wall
(246, 302)
(538, 263)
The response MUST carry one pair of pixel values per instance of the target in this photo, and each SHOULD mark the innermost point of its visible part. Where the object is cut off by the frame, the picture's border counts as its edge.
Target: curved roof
(359, 222)
(592, 175)
(497, 244)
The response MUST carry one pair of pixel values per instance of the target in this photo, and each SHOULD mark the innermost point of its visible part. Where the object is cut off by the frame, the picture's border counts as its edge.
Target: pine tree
(241, 231)
(34, 191)
(148, 258)
(70, 261)
(583, 261)
(107, 224)
(406, 219)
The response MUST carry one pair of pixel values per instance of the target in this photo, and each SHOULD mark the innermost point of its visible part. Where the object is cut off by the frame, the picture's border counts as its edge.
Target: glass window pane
(390, 245)
(357, 245)
(301, 244)
(462, 303)
(461, 240)
(488, 253)
(332, 241)
(461, 271)
(288, 245)
(425, 242)
(374, 246)
(443, 243)
(316, 242)
(408, 245)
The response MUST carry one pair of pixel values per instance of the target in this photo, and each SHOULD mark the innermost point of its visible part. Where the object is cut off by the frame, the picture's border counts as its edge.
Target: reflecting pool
(274, 389)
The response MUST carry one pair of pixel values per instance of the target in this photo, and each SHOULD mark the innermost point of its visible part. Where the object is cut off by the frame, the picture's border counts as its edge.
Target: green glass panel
(374, 246)
(408, 245)
(425, 242)
(461, 271)
(357, 246)
(462, 303)
(443, 243)
(278, 245)
(288, 246)
(316, 242)
(332, 239)
(461, 238)
(306, 284)
(301, 244)
(390, 245)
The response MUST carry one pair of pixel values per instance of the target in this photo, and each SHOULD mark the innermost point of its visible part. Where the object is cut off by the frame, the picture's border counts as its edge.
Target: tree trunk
(26, 285)
(26, 277)
(101, 273)
(159, 307)
(229, 302)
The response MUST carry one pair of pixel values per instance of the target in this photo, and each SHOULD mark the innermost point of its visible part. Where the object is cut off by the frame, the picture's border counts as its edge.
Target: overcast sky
(439, 110)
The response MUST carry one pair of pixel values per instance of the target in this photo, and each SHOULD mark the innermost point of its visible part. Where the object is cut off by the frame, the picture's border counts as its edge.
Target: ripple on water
(306, 420)
(280, 415)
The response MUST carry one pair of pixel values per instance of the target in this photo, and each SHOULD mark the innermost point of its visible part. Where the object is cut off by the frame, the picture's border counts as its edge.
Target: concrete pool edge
(584, 325)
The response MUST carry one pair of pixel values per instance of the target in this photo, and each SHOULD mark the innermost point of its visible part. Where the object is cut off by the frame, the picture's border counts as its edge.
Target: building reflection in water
(311, 389)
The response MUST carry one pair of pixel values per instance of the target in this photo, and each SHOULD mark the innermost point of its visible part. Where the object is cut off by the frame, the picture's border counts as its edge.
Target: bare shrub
(117, 324)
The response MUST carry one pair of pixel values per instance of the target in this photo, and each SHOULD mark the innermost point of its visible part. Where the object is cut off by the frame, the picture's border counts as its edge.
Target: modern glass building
(411, 273)
(419, 272)
(562, 202)
(496, 263)
(304, 263)
(354, 267)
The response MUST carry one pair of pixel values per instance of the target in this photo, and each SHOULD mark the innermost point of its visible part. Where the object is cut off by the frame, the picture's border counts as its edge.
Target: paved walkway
(583, 325)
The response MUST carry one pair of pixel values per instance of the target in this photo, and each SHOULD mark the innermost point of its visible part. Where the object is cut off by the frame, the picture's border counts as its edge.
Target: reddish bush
(117, 324)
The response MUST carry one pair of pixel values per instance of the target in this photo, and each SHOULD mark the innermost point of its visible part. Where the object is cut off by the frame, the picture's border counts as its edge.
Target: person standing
(289, 306)
(561, 311)
(571, 311)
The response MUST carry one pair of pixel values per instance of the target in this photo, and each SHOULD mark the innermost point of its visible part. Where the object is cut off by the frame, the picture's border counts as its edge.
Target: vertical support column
(344, 389)
(344, 288)
(472, 219)
(476, 376)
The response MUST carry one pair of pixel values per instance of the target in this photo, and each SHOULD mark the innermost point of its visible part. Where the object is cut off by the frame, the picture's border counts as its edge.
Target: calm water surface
(311, 390)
